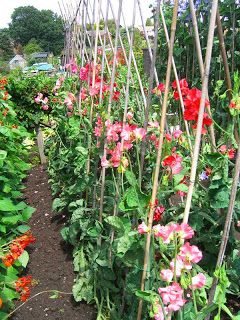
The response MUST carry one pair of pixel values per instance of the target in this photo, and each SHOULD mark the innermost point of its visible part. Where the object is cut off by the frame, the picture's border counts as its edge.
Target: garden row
(15, 235)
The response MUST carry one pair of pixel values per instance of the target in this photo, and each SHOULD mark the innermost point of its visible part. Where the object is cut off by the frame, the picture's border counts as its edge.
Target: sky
(8, 6)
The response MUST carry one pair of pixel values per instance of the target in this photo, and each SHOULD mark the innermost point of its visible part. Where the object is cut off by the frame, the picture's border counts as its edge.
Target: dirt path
(50, 260)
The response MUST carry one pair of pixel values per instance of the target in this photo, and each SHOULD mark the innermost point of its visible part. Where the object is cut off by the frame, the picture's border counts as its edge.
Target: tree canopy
(44, 26)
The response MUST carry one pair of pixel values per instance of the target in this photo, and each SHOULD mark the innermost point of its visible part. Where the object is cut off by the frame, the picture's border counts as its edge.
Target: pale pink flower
(223, 149)
(163, 232)
(184, 231)
(153, 124)
(238, 223)
(177, 266)
(143, 228)
(176, 134)
(126, 132)
(39, 97)
(93, 91)
(172, 296)
(129, 115)
(158, 312)
(198, 281)
(140, 133)
(105, 163)
(83, 93)
(190, 254)
(166, 275)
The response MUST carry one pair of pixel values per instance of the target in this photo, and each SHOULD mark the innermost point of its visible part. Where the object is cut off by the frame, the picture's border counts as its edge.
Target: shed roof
(17, 57)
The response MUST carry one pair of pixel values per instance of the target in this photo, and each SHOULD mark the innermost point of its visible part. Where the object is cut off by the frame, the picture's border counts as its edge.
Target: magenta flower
(177, 134)
(83, 74)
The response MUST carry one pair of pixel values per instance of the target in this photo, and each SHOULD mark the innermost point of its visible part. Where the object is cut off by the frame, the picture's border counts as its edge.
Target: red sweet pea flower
(173, 162)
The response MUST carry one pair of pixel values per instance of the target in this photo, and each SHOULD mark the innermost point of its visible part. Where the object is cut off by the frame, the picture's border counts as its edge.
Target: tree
(6, 46)
(31, 47)
(43, 25)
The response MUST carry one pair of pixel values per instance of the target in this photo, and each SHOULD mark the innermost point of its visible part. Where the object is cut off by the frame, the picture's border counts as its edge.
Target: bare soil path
(50, 259)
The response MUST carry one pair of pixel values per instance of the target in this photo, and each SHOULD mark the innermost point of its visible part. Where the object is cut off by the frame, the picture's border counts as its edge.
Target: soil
(50, 259)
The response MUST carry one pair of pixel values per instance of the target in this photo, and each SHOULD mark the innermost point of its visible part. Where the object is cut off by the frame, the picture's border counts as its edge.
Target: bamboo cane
(201, 111)
(159, 154)
(201, 66)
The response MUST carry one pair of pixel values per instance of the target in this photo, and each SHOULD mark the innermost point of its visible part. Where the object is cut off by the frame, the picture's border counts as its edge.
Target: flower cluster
(185, 256)
(191, 99)
(22, 287)
(69, 101)
(94, 88)
(40, 99)
(173, 163)
(17, 247)
(229, 152)
(120, 138)
(3, 83)
(72, 66)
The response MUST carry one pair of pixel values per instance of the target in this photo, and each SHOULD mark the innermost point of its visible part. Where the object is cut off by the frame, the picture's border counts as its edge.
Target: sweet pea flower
(140, 133)
(184, 231)
(177, 133)
(158, 312)
(168, 137)
(177, 266)
(164, 232)
(105, 163)
(166, 275)
(45, 107)
(143, 228)
(172, 296)
(198, 281)
(83, 73)
(129, 115)
(173, 162)
(190, 254)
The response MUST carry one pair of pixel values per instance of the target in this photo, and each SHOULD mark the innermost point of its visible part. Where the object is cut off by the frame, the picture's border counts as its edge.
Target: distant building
(149, 31)
(17, 62)
(42, 56)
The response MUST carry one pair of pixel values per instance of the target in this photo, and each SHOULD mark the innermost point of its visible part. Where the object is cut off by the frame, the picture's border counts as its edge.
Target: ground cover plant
(147, 170)
(14, 231)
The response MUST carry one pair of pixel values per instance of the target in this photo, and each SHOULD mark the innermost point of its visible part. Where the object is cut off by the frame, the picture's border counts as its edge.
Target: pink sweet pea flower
(83, 73)
(198, 281)
(45, 107)
(143, 228)
(190, 254)
(153, 124)
(105, 163)
(231, 153)
(164, 232)
(93, 91)
(139, 133)
(158, 312)
(184, 231)
(223, 149)
(172, 296)
(166, 275)
(177, 134)
(129, 115)
(177, 266)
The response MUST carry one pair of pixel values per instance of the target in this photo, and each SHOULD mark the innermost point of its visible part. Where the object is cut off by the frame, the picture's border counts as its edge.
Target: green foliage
(14, 213)
(31, 47)
(43, 25)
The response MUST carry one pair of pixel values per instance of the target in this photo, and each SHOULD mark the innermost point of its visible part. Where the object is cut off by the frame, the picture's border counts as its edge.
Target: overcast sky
(7, 7)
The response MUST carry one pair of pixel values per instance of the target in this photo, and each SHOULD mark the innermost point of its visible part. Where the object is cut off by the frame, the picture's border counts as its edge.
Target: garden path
(50, 259)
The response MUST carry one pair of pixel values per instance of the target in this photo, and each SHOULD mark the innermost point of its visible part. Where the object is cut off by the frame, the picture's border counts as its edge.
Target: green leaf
(3, 154)
(181, 187)
(6, 204)
(58, 204)
(27, 213)
(147, 295)
(12, 219)
(132, 197)
(118, 223)
(131, 178)
(23, 228)
(24, 258)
